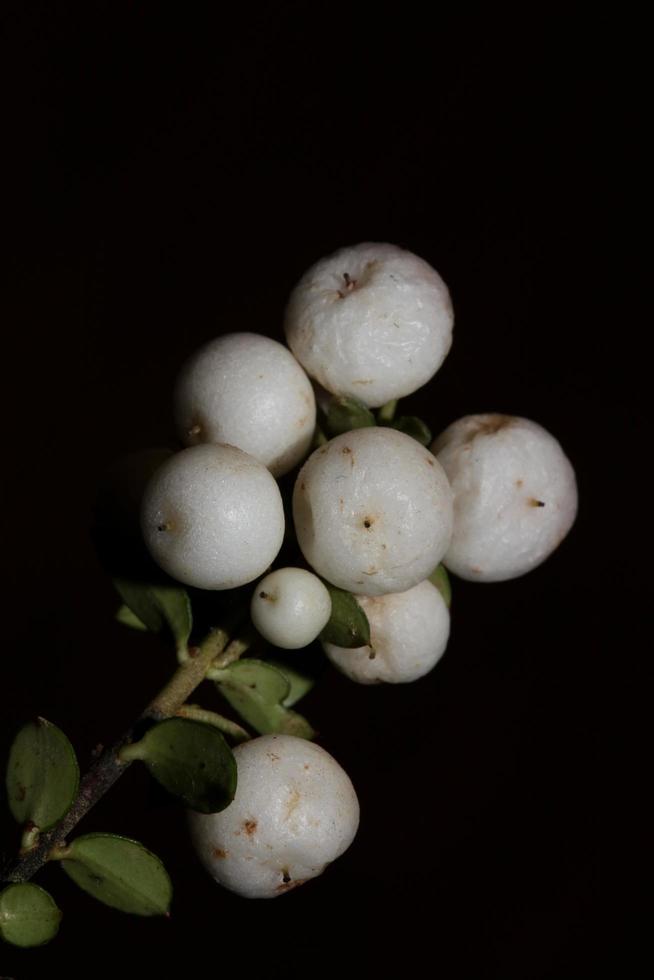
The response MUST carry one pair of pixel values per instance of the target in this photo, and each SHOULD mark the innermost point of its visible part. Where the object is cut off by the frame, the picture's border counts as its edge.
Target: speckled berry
(290, 607)
(373, 511)
(295, 811)
(408, 635)
(213, 517)
(515, 495)
(248, 391)
(372, 321)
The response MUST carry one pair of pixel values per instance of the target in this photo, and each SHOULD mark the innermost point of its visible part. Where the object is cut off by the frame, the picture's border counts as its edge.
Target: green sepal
(42, 775)
(412, 426)
(157, 606)
(191, 760)
(441, 580)
(257, 691)
(299, 683)
(348, 624)
(28, 915)
(345, 414)
(319, 438)
(119, 872)
(128, 618)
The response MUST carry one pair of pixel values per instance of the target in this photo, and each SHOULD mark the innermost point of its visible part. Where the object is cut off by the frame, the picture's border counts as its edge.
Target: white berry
(408, 635)
(373, 511)
(248, 391)
(290, 607)
(372, 321)
(213, 517)
(294, 812)
(515, 495)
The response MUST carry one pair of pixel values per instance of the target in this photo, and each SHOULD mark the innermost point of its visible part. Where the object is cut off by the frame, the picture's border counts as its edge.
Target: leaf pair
(345, 413)
(115, 870)
(262, 693)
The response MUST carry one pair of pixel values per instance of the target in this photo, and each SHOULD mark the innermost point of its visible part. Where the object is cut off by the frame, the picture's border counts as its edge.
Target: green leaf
(345, 414)
(441, 580)
(414, 427)
(348, 624)
(299, 683)
(157, 606)
(42, 775)
(119, 872)
(128, 618)
(28, 915)
(256, 690)
(191, 760)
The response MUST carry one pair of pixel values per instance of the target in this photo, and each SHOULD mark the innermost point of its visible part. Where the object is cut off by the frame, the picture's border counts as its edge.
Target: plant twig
(195, 713)
(109, 768)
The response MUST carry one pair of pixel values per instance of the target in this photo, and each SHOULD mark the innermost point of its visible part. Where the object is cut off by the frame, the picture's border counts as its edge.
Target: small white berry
(248, 391)
(515, 495)
(294, 812)
(373, 511)
(408, 635)
(290, 607)
(372, 321)
(213, 517)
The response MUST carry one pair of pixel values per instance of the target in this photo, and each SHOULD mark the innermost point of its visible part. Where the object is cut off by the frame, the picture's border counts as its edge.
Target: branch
(109, 768)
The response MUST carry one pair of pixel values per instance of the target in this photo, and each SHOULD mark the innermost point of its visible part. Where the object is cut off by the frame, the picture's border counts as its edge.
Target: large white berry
(290, 607)
(248, 391)
(294, 812)
(373, 511)
(372, 321)
(515, 495)
(408, 635)
(212, 517)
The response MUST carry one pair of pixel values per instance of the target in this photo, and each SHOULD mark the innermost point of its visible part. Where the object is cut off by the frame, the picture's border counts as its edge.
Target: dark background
(169, 175)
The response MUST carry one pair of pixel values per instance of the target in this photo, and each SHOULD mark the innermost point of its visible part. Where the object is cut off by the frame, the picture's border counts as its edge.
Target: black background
(170, 174)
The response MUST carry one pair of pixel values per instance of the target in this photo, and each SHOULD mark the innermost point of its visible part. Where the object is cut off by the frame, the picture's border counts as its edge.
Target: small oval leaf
(441, 580)
(156, 606)
(345, 414)
(192, 761)
(119, 872)
(260, 678)
(256, 691)
(28, 915)
(348, 624)
(42, 775)
(414, 427)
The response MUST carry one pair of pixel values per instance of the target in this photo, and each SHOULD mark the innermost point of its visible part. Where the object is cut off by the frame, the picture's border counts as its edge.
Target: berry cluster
(375, 512)
(363, 535)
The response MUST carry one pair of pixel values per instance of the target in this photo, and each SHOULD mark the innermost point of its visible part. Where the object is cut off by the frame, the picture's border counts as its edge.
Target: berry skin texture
(290, 607)
(371, 321)
(373, 511)
(295, 811)
(213, 517)
(248, 391)
(515, 495)
(408, 632)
